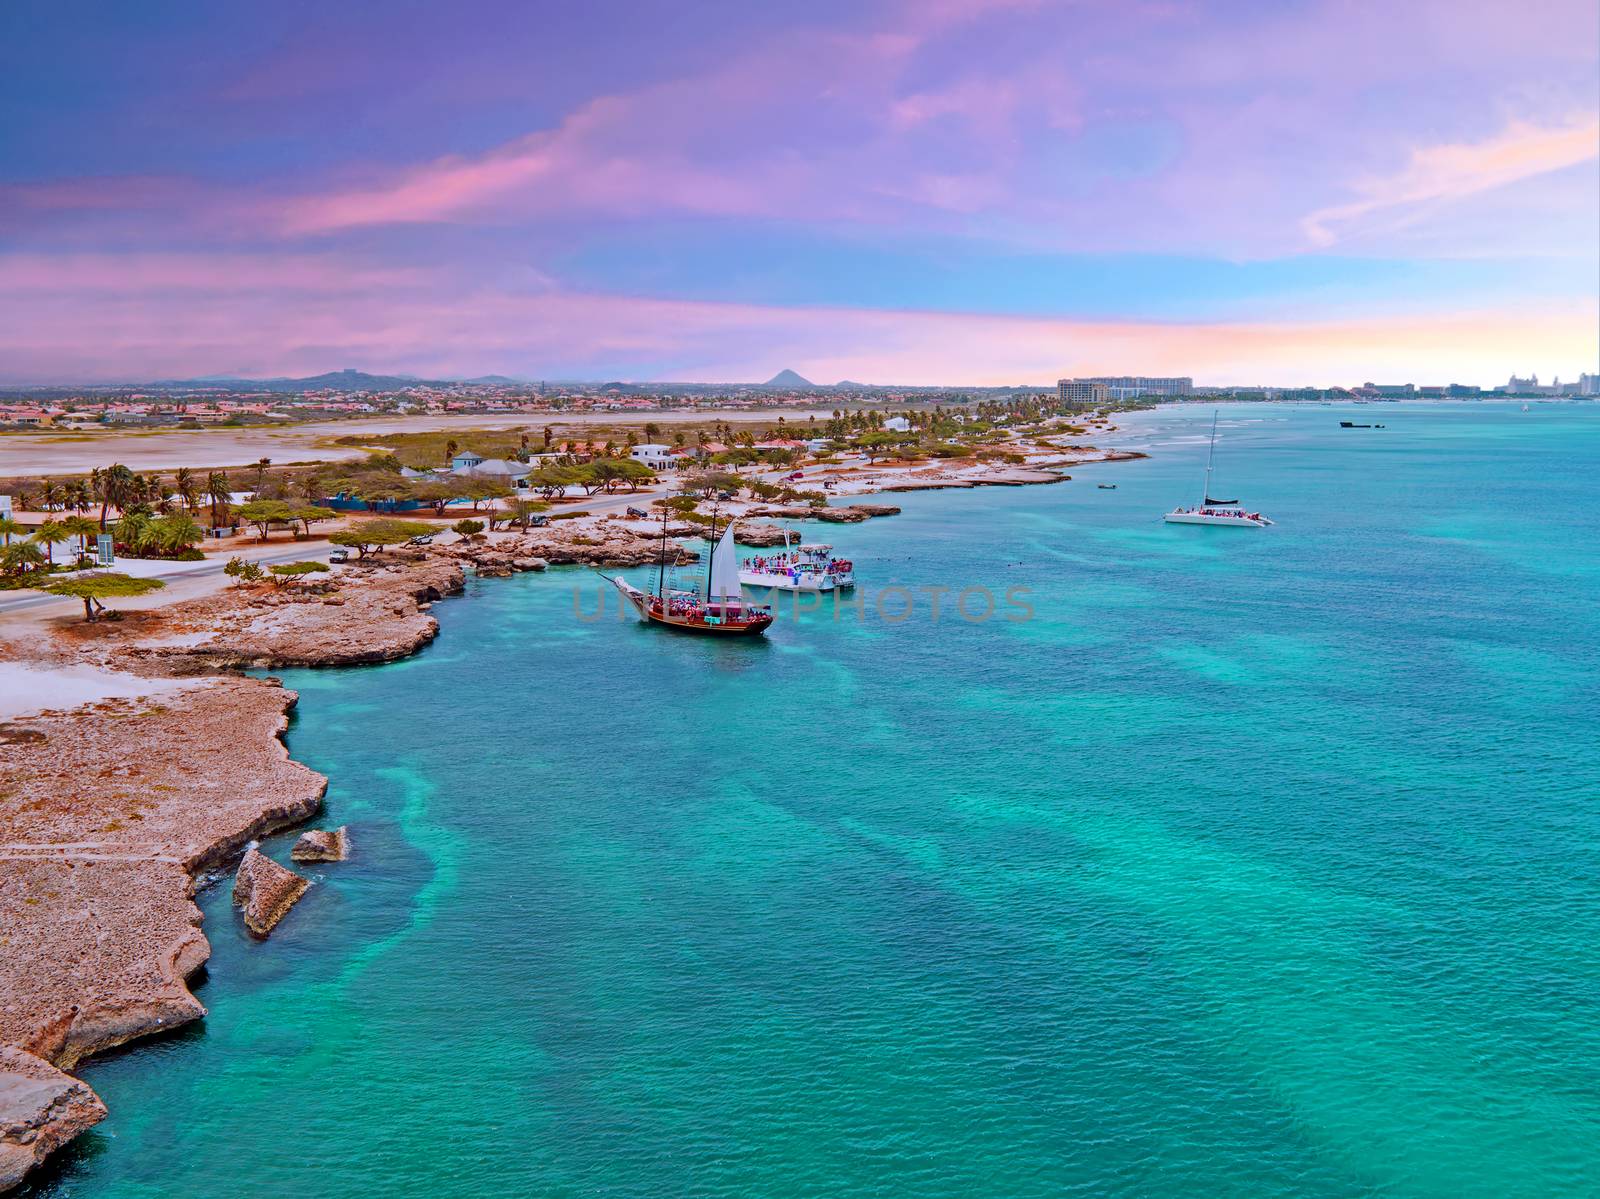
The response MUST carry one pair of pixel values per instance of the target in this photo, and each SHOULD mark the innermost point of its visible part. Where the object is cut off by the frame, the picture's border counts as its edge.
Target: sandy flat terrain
(28, 689)
(64, 453)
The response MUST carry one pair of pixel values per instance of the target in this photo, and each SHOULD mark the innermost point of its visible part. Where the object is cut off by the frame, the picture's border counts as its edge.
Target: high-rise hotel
(1112, 389)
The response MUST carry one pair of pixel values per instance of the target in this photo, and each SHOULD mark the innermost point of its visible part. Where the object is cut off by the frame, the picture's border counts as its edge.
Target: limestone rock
(41, 1109)
(566, 545)
(844, 514)
(375, 618)
(322, 845)
(266, 890)
(760, 536)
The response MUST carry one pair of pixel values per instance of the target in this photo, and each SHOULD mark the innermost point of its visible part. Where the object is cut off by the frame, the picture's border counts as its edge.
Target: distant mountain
(345, 380)
(496, 381)
(848, 385)
(787, 378)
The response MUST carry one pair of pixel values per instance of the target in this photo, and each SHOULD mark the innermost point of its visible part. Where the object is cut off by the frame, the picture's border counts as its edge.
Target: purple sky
(946, 191)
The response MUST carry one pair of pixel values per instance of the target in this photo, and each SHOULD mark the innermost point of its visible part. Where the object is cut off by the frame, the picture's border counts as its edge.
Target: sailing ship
(720, 612)
(806, 567)
(1212, 511)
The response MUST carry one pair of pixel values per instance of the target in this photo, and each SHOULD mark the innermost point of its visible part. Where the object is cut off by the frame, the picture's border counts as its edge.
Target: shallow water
(1258, 862)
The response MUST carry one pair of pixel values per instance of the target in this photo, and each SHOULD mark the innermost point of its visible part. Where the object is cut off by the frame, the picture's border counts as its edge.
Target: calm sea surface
(1256, 863)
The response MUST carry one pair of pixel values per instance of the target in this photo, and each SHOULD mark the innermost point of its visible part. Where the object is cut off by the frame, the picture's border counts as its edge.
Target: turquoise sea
(1256, 863)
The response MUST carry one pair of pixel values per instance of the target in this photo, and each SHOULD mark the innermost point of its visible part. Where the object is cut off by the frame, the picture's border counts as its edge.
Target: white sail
(725, 567)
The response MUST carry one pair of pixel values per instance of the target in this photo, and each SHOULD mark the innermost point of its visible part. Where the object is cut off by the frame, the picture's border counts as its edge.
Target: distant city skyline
(950, 192)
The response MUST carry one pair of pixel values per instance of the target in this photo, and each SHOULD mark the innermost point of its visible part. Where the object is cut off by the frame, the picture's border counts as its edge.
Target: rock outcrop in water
(843, 514)
(266, 891)
(111, 813)
(322, 845)
(106, 823)
(760, 536)
(572, 545)
(41, 1109)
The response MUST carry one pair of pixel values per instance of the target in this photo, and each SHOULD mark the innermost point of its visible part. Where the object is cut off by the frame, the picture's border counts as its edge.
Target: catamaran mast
(1210, 455)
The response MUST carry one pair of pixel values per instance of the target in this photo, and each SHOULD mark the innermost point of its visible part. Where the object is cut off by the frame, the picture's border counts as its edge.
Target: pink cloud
(1457, 170)
(303, 320)
(143, 274)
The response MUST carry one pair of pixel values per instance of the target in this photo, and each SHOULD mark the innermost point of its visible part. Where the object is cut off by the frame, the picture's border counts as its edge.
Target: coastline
(189, 767)
(118, 809)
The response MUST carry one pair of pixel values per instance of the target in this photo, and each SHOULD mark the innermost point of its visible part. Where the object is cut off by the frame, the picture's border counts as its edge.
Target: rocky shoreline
(114, 812)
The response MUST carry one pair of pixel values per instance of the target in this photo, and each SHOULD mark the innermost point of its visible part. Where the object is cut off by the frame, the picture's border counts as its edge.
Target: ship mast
(711, 557)
(661, 566)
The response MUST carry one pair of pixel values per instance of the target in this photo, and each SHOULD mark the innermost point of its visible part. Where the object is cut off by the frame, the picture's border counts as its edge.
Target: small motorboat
(1106, 486)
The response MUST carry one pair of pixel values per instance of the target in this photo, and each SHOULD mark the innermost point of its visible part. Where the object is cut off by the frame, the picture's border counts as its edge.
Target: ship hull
(650, 610)
(748, 628)
(813, 582)
(1200, 518)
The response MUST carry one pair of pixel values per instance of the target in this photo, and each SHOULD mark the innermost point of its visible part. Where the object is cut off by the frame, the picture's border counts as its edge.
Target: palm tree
(176, 533)
(20, 558)
(50, 534)
(162, 496)
(77, 497)
(136, 531)
(80, 526)
(450, 448)
(219, 493)
(187, 487)
(261, 470)
(10, 528)
(114, 488)
(48, 495)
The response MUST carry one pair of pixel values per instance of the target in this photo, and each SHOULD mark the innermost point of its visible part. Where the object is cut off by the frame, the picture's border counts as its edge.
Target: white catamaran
(810, 567)
(1215, 512)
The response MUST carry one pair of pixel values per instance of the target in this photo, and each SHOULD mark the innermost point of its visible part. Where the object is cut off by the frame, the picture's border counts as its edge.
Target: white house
(656, 457)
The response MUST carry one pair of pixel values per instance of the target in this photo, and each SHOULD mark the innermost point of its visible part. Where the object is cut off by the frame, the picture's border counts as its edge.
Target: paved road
(22, 601)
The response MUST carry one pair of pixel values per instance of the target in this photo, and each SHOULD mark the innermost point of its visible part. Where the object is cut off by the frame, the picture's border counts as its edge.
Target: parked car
(538, 522)
(637, 513)
(724, 495)
(422, 539)
(339, 556)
